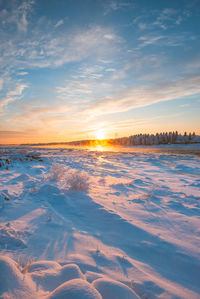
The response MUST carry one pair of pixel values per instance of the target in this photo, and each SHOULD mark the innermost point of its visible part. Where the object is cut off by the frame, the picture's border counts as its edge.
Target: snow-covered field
(92, 224)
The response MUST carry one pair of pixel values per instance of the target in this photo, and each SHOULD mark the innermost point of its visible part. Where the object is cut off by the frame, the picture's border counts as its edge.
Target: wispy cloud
(194, 62)
(166, 15)
(1, 83)
(23, 73)
(116, 5)
(33, 113)
(144, 95)
(12, 95)
(17, 14)
(142, 26)
(160, 40)
(149, 40)
(17, 91)
(10, 133)
(161, 19)
(60, 73)
(59, 23)
(44, 49)
(87, 85)
(117, 125)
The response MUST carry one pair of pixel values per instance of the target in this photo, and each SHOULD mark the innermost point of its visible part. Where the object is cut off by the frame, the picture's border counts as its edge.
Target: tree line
(158, 138)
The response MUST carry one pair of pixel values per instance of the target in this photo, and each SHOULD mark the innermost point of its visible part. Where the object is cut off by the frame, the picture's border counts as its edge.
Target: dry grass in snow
(71, 179)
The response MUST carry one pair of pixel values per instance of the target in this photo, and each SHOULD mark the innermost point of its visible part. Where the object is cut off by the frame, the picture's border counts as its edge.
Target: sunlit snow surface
(136, 218)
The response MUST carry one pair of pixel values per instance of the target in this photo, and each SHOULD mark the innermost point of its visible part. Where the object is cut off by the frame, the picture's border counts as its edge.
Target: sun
(100, 134)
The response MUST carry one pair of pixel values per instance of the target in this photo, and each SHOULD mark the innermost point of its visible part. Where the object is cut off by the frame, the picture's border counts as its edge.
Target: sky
(79, 69)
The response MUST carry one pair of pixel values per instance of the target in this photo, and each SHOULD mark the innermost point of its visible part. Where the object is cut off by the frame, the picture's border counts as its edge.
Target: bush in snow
(3, 197)
(4, 163)
(77, 180)
(23, 265)
(71, 179)
(57, 172)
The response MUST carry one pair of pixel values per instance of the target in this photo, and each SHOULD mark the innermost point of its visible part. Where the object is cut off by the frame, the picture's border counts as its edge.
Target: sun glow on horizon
(88, 78)
(100, 134)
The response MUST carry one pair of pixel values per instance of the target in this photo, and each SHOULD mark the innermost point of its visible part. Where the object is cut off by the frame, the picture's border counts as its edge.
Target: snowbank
(113, 289)
(50, 280)
(14, 284)
(75, 289)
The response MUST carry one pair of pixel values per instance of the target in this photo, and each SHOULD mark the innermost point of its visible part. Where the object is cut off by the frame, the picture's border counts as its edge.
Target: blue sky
(70, 68)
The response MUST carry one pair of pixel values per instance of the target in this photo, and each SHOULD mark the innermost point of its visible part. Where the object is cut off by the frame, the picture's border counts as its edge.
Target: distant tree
(158, 138)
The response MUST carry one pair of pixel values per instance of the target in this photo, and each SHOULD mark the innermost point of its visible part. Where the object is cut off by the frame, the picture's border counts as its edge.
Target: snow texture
(13, 284)
(75, 289)
(94, 224)
(113, 289)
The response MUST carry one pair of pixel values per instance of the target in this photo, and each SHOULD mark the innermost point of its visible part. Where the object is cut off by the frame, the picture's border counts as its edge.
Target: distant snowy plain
(76, 223)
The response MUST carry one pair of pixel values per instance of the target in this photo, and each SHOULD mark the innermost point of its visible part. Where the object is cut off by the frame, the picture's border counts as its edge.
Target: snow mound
(13, 282)
(75, 289)
(113, 289)
(71, 271)
(50, 275)
(91, 276)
